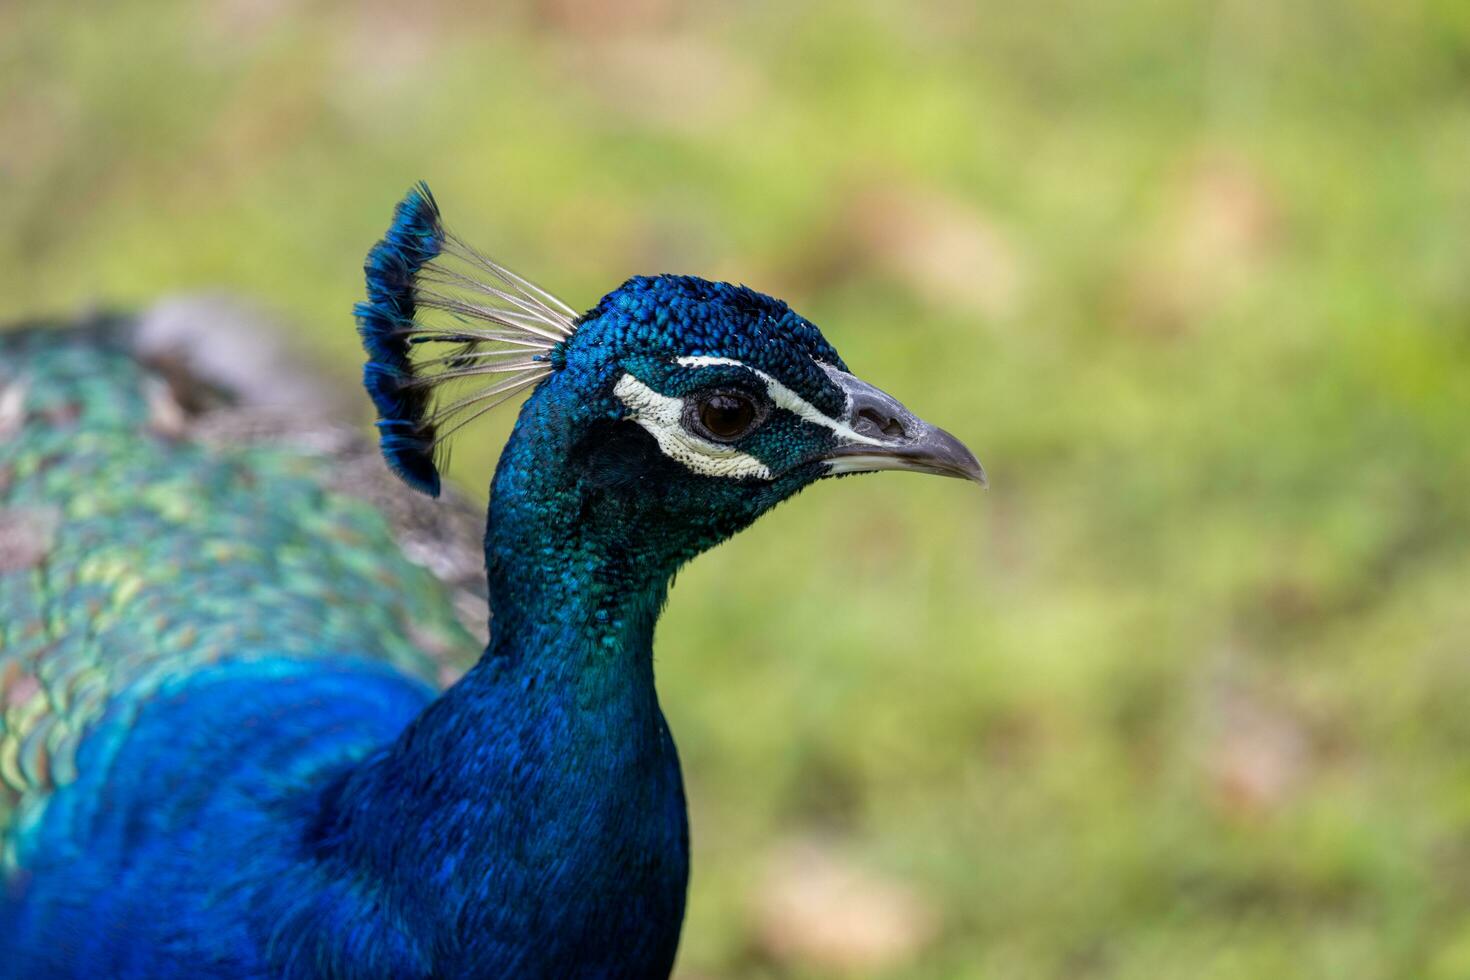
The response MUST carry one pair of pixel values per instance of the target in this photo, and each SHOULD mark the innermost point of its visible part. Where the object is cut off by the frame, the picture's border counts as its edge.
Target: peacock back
(174, 496)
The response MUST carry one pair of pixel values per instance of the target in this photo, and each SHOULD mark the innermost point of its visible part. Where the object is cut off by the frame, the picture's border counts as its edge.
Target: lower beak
(884, 435)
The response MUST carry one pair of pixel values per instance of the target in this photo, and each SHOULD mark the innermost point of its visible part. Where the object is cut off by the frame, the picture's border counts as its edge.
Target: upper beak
(883, 435)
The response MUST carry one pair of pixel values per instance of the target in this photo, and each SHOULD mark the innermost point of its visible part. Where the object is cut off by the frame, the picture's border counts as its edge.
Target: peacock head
(676, 410)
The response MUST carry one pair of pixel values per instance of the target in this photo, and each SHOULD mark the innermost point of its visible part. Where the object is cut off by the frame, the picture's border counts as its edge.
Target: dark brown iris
(726, 416)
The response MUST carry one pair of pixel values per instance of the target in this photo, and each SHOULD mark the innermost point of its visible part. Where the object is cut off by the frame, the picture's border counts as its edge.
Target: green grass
(1186, 694)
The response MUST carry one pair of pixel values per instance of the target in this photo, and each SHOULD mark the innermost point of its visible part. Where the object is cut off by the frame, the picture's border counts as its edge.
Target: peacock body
(226, 747)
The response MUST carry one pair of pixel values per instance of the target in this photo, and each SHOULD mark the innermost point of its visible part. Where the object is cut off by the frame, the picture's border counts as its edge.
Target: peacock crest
(450, 334)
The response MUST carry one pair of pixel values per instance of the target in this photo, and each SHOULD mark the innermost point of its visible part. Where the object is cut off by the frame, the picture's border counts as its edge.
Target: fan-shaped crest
(449, 333)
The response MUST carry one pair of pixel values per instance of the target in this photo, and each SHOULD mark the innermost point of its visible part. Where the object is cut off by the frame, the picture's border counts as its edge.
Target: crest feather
(425, 287)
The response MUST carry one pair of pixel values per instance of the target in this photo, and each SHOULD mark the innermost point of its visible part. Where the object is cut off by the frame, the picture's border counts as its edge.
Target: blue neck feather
(557, 729)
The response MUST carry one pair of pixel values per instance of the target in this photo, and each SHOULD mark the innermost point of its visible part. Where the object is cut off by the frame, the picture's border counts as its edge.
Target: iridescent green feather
(143, 536)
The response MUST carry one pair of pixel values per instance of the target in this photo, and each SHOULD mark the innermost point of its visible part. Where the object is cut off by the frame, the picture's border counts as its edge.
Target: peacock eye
(727, 415)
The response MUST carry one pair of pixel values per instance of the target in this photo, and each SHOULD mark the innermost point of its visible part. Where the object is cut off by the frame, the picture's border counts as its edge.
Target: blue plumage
(289, 796)
(415, 238)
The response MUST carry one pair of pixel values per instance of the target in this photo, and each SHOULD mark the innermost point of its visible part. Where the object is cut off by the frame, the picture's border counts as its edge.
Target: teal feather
(134, 551)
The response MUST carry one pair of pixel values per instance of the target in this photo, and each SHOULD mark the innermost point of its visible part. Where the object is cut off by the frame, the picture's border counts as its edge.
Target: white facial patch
(663, 417)
(784, 397)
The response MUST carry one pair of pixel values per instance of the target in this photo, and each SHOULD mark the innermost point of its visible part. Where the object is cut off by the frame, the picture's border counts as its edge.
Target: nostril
(885, 424)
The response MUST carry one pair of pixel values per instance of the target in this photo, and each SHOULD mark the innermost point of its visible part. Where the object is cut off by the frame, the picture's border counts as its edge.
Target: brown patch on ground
(1213, 233)
(674, 81)
(1258, 753)
(600, 18)
(939, 246)
(819, 908)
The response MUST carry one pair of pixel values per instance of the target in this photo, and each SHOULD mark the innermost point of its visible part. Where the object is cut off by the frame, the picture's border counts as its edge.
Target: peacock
(253, 722)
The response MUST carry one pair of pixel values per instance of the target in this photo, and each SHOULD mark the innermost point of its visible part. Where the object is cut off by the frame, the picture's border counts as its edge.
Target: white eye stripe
(663, 418)
(785, 398)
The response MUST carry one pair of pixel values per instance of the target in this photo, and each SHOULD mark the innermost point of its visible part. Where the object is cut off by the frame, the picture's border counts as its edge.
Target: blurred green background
(1188, 692)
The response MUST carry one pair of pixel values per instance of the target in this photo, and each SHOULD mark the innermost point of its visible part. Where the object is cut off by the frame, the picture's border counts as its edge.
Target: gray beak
(883, 435)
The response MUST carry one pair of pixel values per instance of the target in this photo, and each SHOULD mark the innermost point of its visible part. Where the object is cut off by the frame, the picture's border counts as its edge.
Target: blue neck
(542, 790)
